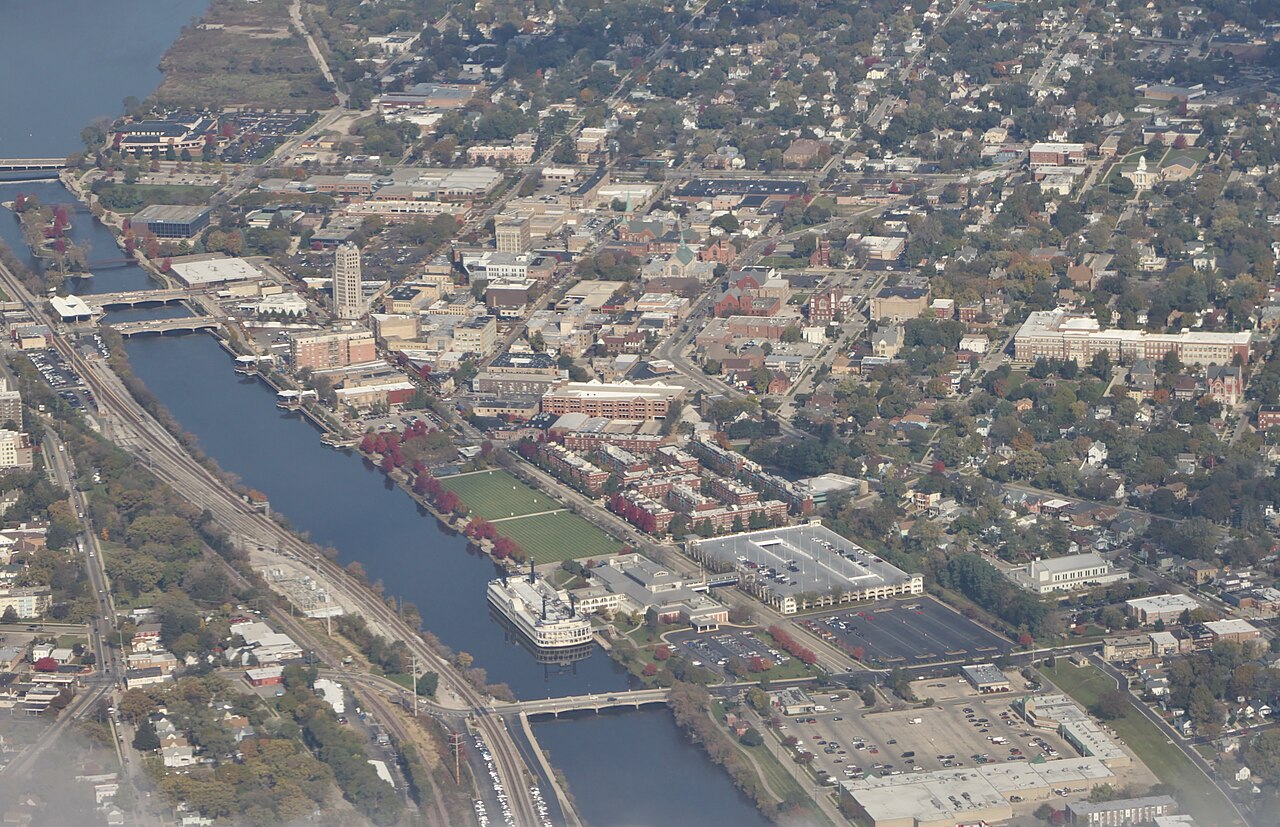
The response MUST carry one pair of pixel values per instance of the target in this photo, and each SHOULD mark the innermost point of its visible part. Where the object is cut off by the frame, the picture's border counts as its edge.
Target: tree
(1121, 186)
(10, 615)
(1112, 705)
(145, 738)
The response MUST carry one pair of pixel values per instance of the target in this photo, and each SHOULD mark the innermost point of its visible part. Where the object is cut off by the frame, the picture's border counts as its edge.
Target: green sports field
(495, 494)
(550, 538)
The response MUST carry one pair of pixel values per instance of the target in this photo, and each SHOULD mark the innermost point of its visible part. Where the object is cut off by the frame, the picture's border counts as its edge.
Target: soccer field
(494, 494)
(550, 538)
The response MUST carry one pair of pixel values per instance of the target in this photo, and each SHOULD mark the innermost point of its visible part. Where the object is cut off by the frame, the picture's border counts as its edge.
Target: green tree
(145, 738)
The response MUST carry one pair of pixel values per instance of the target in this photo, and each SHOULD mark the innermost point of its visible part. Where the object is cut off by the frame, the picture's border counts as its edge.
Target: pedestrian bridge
(161, 326)
(595, 703)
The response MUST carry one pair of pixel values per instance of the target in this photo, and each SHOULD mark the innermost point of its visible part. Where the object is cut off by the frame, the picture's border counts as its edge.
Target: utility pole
(415, 686)
(455, 741)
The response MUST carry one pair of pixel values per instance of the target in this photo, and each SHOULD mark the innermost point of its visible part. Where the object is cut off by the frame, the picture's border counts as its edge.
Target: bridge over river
(595, 703)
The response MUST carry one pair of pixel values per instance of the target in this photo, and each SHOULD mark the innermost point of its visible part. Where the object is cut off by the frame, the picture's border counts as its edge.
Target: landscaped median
(1198, 796)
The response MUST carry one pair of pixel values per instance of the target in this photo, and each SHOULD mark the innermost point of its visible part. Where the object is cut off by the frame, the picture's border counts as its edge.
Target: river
(636, 769)
(633, 768)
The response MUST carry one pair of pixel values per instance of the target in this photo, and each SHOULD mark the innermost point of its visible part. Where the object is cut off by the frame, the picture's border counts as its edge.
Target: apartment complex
(621, 400)
(1062, 334)
(26, 602)
(332, 349)
(348, 296)
(15, 450)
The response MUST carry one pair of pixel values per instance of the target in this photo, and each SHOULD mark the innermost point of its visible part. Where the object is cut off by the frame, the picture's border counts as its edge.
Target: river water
(84, 56)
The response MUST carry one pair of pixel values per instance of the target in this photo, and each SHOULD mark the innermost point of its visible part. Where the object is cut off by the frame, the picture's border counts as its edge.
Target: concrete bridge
(595, 703)
(134, 298)
(31, 164)
(161, 326)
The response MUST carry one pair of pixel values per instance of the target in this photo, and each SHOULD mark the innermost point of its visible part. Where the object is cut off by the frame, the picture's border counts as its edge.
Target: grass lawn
(779, 780)
(551, 538)
(130, 198)
(1195, 153)
(1200, 798)
(494, 494)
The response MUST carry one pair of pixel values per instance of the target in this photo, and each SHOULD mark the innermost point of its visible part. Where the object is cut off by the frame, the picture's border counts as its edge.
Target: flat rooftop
(1163, 603)
(168, 212)
(808, 558)
(215, 271)
(967, 794)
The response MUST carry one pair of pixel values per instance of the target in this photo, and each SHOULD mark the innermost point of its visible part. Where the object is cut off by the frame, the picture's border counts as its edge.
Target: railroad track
(172, 464)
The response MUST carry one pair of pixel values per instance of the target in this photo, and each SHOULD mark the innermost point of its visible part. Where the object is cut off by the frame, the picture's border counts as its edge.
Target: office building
(511, 233)
(348, 294)
(171, 221)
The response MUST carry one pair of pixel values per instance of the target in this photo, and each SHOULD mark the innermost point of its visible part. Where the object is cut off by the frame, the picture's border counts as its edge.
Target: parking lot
(907, 633)
(966, 730)
(714, 650)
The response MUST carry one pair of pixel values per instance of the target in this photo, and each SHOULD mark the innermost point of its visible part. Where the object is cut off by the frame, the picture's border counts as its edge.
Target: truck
(916, 720)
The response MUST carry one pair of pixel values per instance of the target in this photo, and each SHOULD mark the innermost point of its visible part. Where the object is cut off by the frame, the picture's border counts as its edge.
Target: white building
(15, 450)
(1069, 573)
(331, 692)
(1061, 334)
(348, 295)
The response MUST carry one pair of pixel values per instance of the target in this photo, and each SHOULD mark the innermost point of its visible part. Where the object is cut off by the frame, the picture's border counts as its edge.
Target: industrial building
(803, 567)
